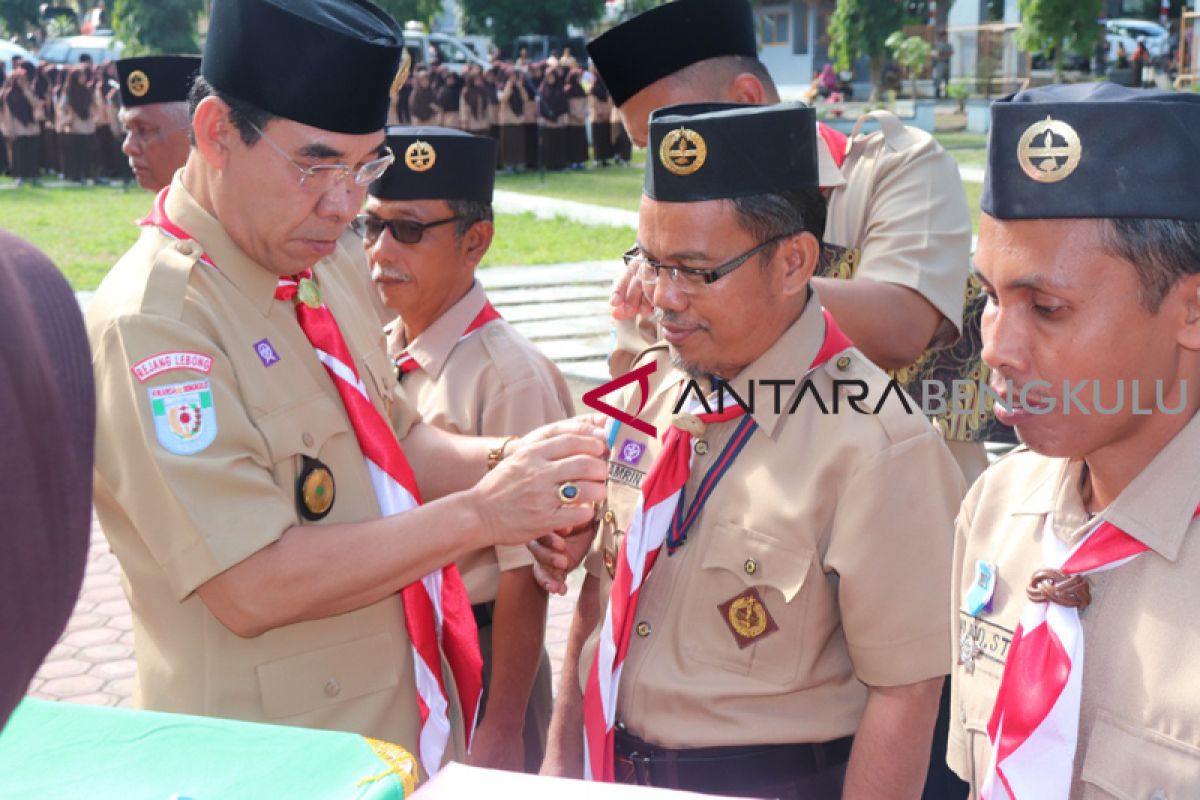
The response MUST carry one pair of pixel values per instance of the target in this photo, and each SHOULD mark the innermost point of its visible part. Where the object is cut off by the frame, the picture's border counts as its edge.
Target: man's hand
(519, 500)
(628, 299)
(497, 747)
(557, 554)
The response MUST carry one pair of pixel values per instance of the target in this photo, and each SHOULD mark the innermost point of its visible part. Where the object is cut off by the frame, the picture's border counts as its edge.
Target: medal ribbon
(437, 612)
(654, 515)
(406, 363)
(1034, 727)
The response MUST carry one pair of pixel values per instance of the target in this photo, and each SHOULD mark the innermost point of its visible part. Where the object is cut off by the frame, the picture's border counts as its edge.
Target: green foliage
(505, 20)
(1058, 25)
(911, 52)
(860, 28)
(959, 93)
(18, 14)
(405, 10)
(157, 26)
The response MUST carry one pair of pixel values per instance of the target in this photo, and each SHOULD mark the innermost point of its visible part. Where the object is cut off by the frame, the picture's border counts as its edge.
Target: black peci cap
(156, 79)
(713, 151)
(331, 64)
(437, 164)
(1093, 150)
(665, 39)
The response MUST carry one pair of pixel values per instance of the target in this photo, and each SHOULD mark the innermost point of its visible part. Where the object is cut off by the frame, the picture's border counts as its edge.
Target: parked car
(68, 49)
(451, 51)
(8, 51)
(1128, 31)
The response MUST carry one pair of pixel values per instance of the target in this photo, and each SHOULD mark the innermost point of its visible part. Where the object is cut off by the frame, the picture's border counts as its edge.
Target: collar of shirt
(433, 347)
(251, 279)
(1156, 508)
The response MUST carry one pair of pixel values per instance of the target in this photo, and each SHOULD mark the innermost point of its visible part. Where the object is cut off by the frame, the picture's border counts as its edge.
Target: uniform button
(1158, 794)
(843, 363)
(751, 566)
(307, 439)
(643, 629)
(186, 246)
(609, 516)
(332, 688)
(610, 563)
(701, 447)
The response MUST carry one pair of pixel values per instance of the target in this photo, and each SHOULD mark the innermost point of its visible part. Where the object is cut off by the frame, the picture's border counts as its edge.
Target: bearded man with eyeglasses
(286, 524)
(426, 227)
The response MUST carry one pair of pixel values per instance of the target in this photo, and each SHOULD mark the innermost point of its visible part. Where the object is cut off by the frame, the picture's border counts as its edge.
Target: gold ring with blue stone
(568, 493)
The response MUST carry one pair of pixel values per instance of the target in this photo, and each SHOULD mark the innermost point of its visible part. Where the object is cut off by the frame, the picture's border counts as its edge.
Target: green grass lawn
(617, 187)
(85, 231)
(953, 140)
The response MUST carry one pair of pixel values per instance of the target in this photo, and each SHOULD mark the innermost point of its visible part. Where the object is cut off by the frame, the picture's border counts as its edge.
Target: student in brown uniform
(154, 113)
(427, 225)
(259, 473)
(1076, 560)
(784, 641)
(898, 221)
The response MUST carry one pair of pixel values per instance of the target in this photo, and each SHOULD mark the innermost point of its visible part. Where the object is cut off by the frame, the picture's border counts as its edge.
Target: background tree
(1059, 25)
(17, 15)
(505, 20)
(157, 26)
(860, 28)
(405, 10)
(911, 52)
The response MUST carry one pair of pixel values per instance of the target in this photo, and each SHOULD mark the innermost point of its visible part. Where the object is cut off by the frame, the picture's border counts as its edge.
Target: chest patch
(747, 617)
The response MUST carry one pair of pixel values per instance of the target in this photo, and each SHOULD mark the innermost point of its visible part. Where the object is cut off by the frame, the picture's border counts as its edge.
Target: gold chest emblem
(1049, 151)
(683, 152)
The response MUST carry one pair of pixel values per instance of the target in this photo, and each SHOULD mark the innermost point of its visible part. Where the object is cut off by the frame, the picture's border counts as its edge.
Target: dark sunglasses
(405, 231)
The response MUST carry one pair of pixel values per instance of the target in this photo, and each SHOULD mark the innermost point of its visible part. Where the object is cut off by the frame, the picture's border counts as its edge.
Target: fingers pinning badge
(315, 490)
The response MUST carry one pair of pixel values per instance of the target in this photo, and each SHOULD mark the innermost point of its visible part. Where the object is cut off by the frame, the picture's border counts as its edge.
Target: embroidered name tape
(147, 368)
(185, 421)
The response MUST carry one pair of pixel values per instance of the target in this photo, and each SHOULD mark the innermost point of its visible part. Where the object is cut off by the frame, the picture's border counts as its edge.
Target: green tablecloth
(65, 750)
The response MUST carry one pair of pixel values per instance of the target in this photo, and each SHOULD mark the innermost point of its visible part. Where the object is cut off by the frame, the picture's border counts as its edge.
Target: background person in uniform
(943, 51)
(21, 115)
(48, 402)
(154, 114)
(259, 471)
(898, 224)
(427, 225)
(769, 654)
(1086, 284)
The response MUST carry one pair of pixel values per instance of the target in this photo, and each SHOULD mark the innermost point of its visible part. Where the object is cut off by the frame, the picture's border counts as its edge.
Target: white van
(451, 51)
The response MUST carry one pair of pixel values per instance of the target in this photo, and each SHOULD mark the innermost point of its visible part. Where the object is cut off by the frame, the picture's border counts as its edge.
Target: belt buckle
(641, 768)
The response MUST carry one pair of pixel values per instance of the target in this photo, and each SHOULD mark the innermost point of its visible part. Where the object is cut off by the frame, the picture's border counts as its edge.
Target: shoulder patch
(157, 364)
(184, 418)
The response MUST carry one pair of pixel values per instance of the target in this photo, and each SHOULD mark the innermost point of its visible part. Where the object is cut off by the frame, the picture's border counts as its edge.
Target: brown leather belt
(713, 768)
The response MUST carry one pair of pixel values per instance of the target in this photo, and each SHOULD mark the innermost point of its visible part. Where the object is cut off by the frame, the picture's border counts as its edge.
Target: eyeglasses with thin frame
(323, 177)
(405, 231)
(690, 280)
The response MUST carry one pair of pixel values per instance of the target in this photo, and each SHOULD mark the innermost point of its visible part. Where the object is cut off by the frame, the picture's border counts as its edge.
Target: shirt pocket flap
(758, 559)
(301, 427)
(1131, 763)
(325, 677)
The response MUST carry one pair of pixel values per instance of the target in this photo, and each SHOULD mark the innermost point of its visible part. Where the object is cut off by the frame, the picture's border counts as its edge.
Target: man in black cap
(253, 448)
(772, 625)
(898, 222)
(154, 114)
(1076, 559)
(427, 225)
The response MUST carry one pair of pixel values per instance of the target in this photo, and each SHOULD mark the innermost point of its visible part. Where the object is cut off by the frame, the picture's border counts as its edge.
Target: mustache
(386, 273)
(676, 319)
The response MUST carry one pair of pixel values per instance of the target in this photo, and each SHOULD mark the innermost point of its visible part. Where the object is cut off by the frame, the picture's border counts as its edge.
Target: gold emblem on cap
(1049, 151)
(402, 73)
(420, 156)
(683, 151)
(138, 83)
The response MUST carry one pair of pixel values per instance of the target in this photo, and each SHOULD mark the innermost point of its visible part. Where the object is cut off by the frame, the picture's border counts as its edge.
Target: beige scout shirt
(1139, 727)
(816, 514)
(493, 382)
(175, 521)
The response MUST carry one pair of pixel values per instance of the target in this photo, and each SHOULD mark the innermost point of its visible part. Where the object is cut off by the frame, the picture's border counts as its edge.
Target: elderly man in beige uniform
(278, 560)
(1076, 560)
(753, 561)
(427, 225)
(154, 115)
(898, 221)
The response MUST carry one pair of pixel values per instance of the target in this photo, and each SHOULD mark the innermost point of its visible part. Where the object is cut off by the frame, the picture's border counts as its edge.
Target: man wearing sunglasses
(774, 624)
(427, 225)
(286, 524)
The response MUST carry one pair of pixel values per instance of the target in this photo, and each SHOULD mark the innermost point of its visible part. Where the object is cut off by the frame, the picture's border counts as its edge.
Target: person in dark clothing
(513, 99)
(422, 104)
(22, 114)
(553, 110)
(576, 134)
(600, 108)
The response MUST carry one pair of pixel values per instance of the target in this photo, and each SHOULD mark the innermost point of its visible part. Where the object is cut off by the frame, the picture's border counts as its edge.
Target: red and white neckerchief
(405, 363)
(1034, 728)
(661, 493)
(437, 611)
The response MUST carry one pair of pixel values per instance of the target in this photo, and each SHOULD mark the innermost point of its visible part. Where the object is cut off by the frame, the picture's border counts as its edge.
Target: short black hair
(469, 212)
(244, 116)
(1162, 251)
(714, 72)
(766, 216)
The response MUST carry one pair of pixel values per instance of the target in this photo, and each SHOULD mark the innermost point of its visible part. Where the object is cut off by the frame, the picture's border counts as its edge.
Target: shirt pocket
(301, 428)
(322, 678)
(1123, 761)
(737, 561)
